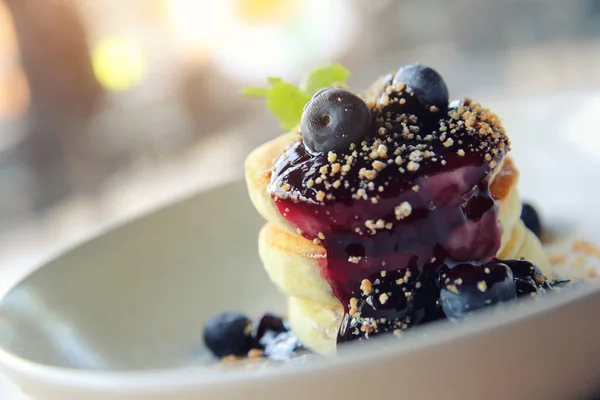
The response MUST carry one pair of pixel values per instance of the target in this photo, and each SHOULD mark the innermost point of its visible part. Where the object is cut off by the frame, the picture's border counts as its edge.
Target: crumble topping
(408, 142)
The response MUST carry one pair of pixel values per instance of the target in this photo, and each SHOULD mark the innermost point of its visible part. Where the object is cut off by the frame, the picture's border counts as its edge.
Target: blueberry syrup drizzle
(387, 235)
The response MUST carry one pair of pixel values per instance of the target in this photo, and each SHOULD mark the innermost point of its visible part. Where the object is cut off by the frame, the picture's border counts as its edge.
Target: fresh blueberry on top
(333, 119)
(531, 219)
(528, 278)
(425, 82)
(229, 333)
(466, 287)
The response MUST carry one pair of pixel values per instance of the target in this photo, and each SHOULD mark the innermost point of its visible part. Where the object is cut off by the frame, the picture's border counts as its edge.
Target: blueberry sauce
(391, 211)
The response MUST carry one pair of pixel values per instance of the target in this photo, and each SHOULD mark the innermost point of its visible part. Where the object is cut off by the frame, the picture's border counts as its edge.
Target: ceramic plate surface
(121, 316)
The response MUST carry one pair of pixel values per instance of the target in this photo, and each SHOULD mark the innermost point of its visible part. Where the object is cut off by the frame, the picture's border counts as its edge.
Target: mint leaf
(253, 91)
(324, 77)
(287, 102)
(274, 80)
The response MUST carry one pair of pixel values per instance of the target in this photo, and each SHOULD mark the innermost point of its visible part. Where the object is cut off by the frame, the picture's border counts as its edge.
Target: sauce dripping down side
(388, 232)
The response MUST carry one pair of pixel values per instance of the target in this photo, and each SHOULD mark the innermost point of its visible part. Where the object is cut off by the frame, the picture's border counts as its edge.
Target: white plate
(120, 316)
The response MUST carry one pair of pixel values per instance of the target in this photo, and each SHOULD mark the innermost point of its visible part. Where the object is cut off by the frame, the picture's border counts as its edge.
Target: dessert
(391, 208)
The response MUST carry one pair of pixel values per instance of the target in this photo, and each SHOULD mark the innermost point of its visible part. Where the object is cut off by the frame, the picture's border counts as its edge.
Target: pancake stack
(298, 261)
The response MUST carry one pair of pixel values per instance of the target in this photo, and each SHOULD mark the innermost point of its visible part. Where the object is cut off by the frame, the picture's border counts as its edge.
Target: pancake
(425, 188)
(293, 263)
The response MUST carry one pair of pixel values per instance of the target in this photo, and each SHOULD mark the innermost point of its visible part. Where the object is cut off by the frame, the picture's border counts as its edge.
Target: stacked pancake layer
(295, 264)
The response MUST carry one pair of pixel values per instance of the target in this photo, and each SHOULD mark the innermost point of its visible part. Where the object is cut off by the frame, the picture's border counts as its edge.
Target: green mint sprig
(287, 101)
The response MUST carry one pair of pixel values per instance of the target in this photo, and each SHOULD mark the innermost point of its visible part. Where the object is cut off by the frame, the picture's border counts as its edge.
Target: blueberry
(528, 278)
(466, 287)
(269, 323)
(399, 300)
(333, 119)
(531, 219)
(426, 83)
(229, 333)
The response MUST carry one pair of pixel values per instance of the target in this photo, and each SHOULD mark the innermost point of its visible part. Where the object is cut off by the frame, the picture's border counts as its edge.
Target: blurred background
(110, 107)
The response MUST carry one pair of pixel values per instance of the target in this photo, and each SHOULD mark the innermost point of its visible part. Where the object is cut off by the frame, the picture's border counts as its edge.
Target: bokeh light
(198, 27)
(14, 94)
(265, 11)
(14, 88)
(118, 63)
(251, 39)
